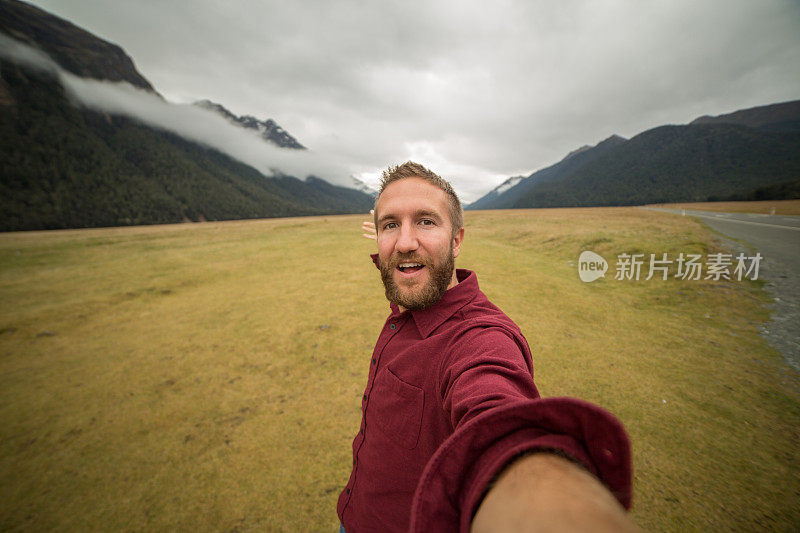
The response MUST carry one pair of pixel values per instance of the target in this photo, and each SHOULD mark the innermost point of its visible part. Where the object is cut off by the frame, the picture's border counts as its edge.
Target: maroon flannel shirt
(450, 400)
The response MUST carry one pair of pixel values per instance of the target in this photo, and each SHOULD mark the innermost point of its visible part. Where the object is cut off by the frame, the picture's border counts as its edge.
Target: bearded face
(416, 243)
(416, 282)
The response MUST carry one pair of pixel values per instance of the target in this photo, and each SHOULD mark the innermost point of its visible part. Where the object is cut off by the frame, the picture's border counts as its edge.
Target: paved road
(777, 238)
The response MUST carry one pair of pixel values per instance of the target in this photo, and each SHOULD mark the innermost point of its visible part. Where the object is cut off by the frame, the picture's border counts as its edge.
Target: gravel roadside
(782, 330)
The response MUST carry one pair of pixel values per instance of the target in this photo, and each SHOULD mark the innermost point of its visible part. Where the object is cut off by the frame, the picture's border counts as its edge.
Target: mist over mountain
(750, 154)
(86, 141)
(363, 187)
(74, 49)
(268, 129)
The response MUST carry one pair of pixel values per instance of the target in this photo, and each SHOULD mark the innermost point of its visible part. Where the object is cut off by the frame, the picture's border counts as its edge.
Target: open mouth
(410, 267)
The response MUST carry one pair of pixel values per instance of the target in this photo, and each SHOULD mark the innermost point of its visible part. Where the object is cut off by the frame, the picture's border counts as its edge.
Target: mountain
(676, 164)
(776, 117)
(68, 167)
(363, 187)
(490, 200)
(749, 154)
(74, 49)
(63, 166)
(510, 192)
(268, 129)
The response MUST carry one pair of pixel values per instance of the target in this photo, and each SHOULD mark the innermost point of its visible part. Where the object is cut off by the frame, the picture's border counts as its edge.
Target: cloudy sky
(478, 91)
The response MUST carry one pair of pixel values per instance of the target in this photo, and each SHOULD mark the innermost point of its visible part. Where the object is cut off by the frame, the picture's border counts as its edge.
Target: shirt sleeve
(486, 386)
(485, 368)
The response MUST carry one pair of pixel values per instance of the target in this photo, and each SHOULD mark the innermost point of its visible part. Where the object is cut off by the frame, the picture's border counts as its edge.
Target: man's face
(415, 243)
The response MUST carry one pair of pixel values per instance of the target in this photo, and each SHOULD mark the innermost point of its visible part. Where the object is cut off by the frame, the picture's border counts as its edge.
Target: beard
(415, 298)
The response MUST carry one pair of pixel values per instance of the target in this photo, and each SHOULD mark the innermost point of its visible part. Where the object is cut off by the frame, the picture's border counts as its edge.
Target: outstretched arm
(501, 420)
(546, 492)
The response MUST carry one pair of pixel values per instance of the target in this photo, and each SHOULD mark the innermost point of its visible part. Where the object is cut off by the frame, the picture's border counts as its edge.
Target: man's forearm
(546, 492)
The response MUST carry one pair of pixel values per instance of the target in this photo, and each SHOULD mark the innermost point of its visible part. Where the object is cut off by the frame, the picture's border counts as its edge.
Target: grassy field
(208, 376)
(781, 207)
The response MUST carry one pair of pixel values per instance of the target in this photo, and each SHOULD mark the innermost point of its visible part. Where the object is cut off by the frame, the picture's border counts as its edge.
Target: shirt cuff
(456, 477)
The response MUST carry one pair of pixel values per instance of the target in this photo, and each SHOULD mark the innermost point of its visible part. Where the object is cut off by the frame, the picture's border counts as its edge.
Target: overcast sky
(478, 91)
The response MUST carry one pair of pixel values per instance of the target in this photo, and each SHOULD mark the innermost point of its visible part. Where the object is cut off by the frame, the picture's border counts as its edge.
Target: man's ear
(457, 240)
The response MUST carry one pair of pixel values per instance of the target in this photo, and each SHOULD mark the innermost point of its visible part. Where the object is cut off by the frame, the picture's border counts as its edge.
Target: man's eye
(427, 222)
(390, 225)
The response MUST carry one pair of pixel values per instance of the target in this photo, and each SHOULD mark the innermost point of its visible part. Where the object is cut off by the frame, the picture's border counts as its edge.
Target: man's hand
(545, 492)
(369, 227)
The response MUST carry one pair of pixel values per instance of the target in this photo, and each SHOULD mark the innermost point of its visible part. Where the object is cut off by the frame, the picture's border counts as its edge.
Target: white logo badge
(591, 266)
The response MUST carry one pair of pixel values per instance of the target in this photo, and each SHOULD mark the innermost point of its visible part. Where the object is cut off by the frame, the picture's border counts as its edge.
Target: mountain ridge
(508, 196)
(749, 153)
(268, 129)
(64, 166)
(76, 50)
(758, 117)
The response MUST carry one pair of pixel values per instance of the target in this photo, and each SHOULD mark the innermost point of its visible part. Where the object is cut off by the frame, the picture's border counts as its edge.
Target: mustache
(403, 258)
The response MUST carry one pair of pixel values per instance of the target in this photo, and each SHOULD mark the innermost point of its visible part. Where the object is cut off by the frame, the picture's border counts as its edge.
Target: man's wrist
(545, 491)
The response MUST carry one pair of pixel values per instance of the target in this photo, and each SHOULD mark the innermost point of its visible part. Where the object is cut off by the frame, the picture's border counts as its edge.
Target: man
(454, 434)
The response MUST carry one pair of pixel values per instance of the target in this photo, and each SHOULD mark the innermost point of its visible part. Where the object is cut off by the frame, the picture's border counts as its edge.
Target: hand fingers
(369, 227)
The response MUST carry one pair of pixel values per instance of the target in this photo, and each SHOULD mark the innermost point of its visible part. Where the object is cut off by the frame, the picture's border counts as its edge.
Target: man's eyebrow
(417, 214)
(426, 213)
(385, 217)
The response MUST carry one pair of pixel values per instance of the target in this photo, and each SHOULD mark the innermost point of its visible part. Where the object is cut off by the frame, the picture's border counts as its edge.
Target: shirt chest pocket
(397, 408)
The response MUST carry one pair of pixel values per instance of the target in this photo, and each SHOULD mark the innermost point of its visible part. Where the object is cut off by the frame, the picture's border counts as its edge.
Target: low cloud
(23, 54)
(487, 93)
(190, 122)
(477, 94)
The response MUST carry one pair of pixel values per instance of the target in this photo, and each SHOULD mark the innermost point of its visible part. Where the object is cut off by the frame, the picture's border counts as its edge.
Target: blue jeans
(341, 528)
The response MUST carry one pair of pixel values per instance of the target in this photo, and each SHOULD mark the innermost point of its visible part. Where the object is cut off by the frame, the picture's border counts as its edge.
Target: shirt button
(373, 360)
(393, 326)
(364, 397)
(362, 431)
(348, 491)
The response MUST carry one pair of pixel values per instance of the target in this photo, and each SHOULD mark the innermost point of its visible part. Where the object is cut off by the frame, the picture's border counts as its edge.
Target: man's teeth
(406, 265)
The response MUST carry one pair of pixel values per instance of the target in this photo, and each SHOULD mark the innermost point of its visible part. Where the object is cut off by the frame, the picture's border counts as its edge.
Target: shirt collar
(427, 320)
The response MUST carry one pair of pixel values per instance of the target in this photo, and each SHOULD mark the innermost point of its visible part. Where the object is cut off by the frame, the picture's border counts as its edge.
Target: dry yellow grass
(781, 207)
(208, 376)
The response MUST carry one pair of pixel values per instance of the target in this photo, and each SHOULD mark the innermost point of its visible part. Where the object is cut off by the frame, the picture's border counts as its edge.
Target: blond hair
(409, 169)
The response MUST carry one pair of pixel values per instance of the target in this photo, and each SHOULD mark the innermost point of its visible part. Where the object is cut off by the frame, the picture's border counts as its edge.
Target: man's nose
(407, 240)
